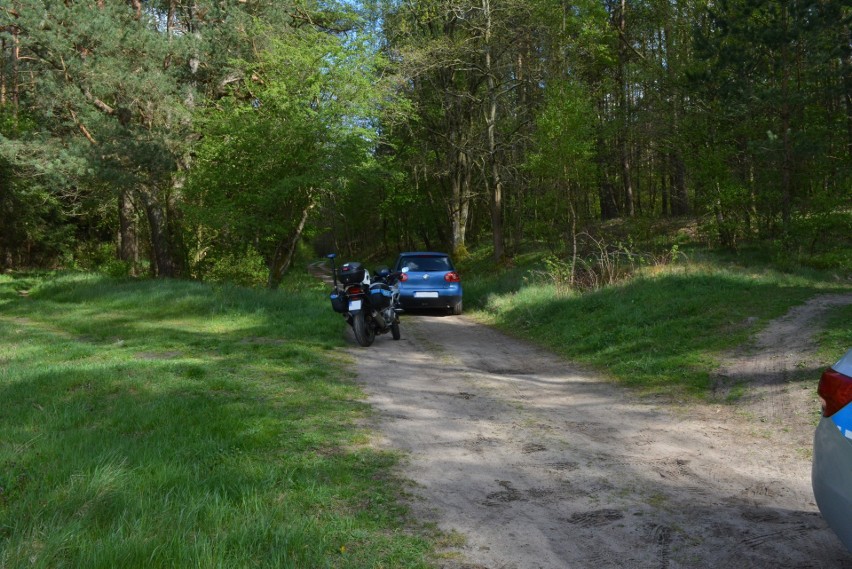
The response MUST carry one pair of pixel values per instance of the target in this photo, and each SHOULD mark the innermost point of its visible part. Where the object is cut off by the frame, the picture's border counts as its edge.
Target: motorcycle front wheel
(364, 333)
(395, 331)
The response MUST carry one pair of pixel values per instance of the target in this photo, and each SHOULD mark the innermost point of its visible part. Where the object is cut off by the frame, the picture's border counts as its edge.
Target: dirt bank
(535, 463)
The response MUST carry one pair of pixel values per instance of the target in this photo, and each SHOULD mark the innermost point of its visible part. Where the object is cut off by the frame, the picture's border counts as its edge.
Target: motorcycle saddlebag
(338, 302)
(380, 296)
(351, 273)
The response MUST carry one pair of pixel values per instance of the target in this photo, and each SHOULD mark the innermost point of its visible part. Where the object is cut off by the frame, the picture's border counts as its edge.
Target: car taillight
(403, 277)
(452, 277)
(835, 391)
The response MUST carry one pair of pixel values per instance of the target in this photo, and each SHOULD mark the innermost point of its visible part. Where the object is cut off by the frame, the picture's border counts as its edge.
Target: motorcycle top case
(351, 273)
(338, 302)
(380, 295)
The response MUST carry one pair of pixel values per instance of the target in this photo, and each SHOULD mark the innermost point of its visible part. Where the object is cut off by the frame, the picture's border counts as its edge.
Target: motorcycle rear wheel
(364, 333)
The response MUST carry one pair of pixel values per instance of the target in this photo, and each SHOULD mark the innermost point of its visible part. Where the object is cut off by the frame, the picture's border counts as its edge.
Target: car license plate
(426, 295)
(354, 305)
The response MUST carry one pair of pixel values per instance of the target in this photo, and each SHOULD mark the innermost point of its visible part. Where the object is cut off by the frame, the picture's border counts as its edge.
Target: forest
(221, 139)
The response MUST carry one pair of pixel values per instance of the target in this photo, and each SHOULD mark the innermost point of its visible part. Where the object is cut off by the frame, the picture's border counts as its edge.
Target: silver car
(831, 473)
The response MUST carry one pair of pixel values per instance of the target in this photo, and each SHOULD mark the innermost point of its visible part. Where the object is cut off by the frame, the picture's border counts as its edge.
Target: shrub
(248, 269)
(603, 266)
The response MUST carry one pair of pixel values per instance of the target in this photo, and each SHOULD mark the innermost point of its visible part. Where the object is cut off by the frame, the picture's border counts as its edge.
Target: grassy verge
(661, 331)
(836, 338)
(174, 424)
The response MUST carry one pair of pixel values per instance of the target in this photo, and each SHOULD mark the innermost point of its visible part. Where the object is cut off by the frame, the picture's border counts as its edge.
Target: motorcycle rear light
(355, 290)
(452, 277)
(835, 391)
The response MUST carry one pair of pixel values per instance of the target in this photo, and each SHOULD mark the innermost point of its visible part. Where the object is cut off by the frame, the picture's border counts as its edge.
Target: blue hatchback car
(431, 281)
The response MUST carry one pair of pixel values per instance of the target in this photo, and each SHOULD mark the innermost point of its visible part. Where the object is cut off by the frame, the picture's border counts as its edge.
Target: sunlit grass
(836, 338)
(174, 424)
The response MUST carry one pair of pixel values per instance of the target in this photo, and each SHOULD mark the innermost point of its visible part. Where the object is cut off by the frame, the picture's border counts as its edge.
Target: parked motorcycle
(370, 305)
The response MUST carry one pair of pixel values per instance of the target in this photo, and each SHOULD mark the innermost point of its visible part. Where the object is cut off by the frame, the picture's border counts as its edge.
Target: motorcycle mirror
(331, 256)
(405, 269)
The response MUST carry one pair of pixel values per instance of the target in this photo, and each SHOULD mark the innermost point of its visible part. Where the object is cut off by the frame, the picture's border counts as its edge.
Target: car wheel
(457, 308)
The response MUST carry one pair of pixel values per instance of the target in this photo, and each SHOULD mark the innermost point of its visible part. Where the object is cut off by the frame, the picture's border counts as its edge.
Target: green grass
(662, 331)
(175, 424)
(836, 338)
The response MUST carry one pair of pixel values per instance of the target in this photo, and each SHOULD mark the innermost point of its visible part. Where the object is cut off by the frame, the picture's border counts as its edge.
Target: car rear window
(426, 263)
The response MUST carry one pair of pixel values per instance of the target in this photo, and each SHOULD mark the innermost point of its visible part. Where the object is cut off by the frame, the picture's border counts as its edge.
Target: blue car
(431, 282)
(831, 473)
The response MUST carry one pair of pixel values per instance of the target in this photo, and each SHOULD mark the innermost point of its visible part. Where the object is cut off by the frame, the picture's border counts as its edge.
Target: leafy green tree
(102, 89)
(563, 159)
(292, 132)
(771, 77)
(113, 86)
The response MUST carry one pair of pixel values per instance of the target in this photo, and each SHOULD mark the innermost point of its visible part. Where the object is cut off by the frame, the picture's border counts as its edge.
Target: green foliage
(247, 269)
(562, 158)
(34, 230)
(387, 124)
(174, 424)
(97, 258)
(822, 231)
(836, 337)
(564, 137)
(295, 131)
(600, 265)
(764, 72)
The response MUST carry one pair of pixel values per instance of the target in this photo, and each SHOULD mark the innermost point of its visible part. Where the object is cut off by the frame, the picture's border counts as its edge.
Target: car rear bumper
(409, 301)
(831, 477)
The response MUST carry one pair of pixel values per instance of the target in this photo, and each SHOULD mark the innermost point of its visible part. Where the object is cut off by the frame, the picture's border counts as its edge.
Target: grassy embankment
(663, 329)
(176, 424)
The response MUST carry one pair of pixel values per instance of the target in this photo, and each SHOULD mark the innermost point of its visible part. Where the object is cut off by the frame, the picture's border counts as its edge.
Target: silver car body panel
(831, 475)
(831, 471)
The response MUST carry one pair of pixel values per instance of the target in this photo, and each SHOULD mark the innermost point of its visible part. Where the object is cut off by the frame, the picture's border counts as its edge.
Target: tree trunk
(606, 193)
(164, 265)
(679, 201)
(460, 201)
(787, 157)
(846, 81)
(128, 238)
(283, 256)
(3, 73)
(624, 101)
(491, 121)
(16, 53)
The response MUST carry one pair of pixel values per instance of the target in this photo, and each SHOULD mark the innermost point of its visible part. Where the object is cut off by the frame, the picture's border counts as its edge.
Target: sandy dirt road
(535, 463)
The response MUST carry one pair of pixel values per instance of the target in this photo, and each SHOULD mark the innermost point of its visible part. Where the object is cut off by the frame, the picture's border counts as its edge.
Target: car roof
(423, 253)
(844, 366)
